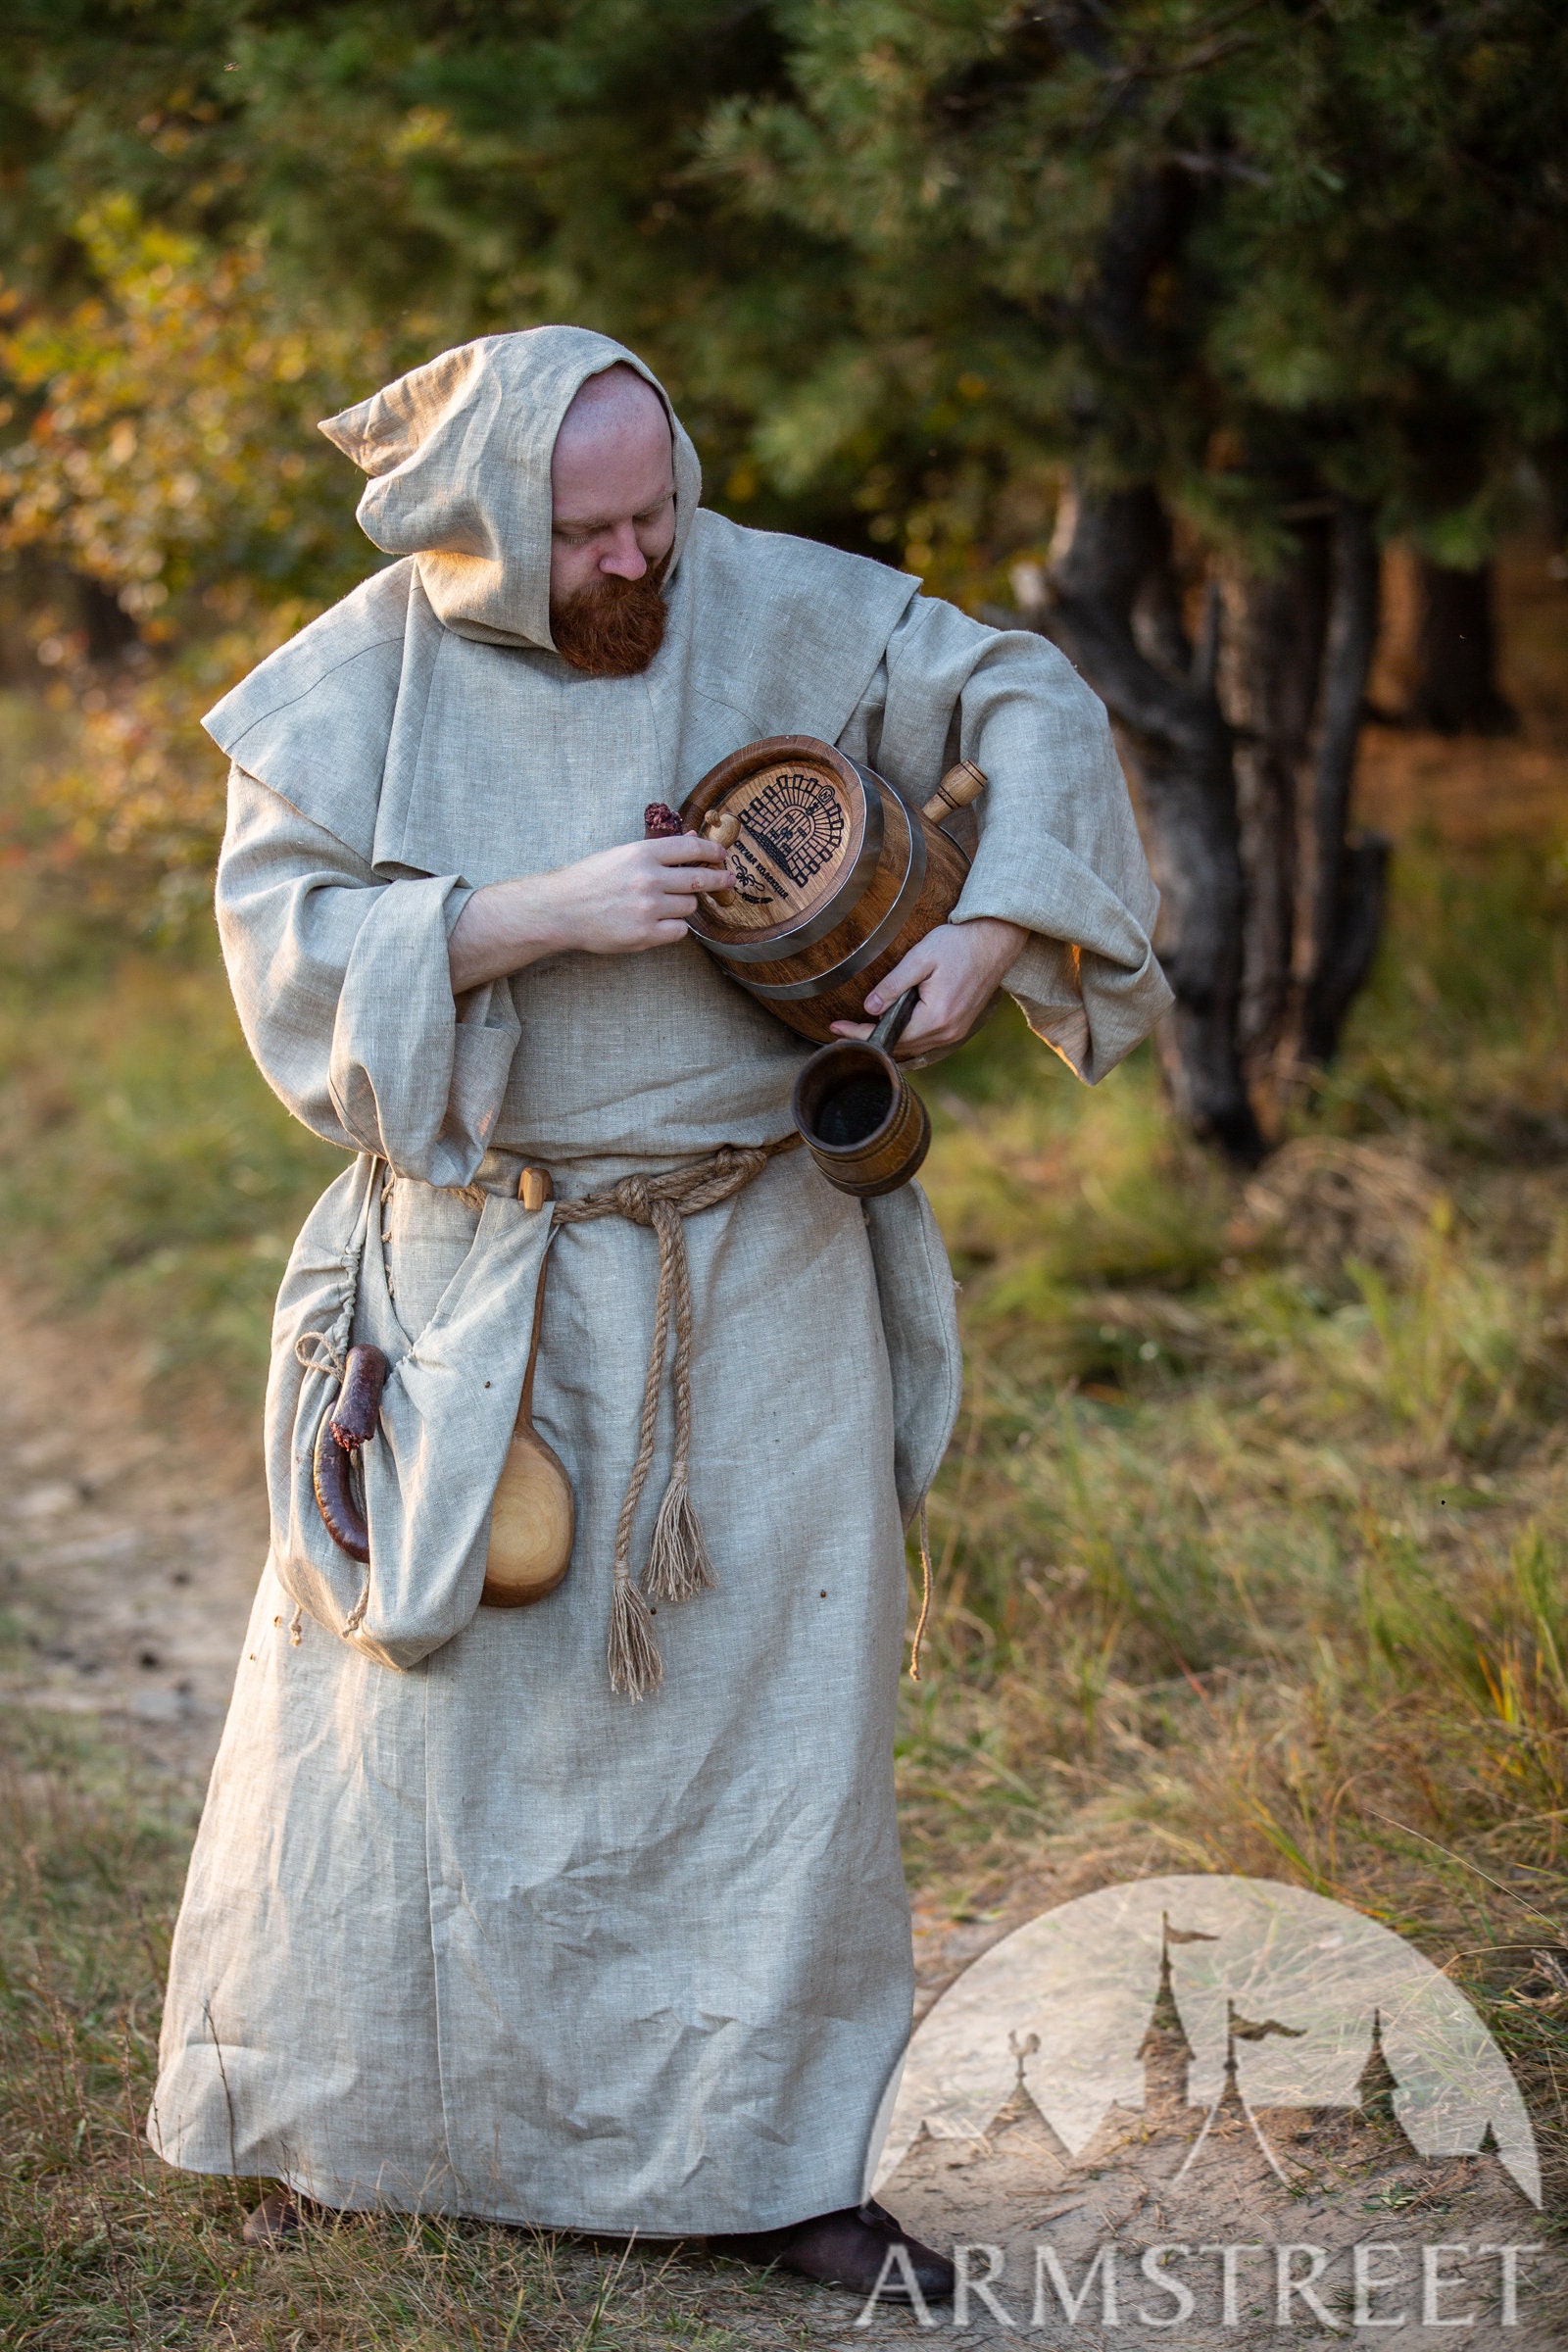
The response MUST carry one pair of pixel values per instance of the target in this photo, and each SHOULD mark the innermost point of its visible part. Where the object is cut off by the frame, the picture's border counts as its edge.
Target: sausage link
(358, 1405)
(341, 1514)
(351, 1425)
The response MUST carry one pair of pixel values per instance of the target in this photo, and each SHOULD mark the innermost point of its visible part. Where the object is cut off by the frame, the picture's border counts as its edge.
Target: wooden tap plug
(958, 787)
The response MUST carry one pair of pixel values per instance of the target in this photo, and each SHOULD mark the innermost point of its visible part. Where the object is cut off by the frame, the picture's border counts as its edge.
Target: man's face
(613, 487)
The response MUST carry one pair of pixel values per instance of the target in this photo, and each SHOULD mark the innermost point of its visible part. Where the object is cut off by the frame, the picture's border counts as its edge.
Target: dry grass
(102, 2246)
(1253, 1555)
(1254, 1547)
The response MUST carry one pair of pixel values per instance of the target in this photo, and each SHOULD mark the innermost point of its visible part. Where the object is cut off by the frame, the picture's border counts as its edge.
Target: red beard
(614, 628)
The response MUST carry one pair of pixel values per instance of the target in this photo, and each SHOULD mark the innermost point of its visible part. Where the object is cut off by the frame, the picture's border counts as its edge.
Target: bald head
(615, 400)
(611, 484)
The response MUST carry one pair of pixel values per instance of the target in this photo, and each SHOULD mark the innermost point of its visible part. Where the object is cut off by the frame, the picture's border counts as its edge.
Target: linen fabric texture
(463, 1931)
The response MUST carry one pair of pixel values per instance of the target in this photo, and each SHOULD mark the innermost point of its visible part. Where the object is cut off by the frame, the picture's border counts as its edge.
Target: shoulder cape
(785, 634)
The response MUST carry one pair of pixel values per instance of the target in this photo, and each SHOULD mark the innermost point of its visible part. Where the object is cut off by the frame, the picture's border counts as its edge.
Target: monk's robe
(467, 1930)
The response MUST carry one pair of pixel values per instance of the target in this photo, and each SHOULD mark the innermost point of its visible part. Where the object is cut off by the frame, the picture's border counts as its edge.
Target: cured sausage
(358, 1405)
(351, 1425)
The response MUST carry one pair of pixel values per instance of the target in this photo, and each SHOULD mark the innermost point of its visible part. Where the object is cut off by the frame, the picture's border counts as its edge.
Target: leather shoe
(275, 2220)
(849, 2249)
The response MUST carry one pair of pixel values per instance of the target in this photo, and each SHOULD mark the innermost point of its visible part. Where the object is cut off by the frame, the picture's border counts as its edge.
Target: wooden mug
(864, 1123)
(838, 874)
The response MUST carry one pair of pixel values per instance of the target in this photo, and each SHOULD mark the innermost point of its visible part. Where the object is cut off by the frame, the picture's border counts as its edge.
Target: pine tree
(1269, 283)
(1189, 304)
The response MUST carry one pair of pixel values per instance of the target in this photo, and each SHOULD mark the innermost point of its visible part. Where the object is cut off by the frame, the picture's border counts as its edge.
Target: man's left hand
(958, 969)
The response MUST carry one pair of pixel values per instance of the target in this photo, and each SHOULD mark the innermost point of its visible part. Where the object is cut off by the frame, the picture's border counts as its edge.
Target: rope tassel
(678, 1566)
(635, 1665)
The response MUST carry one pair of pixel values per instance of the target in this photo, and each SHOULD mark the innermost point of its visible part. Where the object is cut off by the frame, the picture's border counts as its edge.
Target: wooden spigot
(958, 787)
(722, 831)
(963, 783)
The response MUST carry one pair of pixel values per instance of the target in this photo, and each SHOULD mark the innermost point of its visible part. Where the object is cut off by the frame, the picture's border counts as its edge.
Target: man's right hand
(616, 902)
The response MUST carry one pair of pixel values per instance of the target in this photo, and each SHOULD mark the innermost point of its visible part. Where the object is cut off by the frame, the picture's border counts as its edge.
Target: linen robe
(464, 1930)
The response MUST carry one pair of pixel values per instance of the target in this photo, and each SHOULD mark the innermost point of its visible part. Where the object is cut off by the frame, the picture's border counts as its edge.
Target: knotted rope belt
(678, 1565)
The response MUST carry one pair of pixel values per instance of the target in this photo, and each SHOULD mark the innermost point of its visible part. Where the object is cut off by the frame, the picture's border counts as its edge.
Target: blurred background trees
(1146, 324)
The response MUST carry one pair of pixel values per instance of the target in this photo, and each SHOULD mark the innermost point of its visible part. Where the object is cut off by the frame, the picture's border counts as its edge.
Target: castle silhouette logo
(1221, 2060)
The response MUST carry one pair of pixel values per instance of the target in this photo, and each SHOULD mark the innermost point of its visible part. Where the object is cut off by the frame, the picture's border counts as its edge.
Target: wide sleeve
(344, 996)
(1058, 850)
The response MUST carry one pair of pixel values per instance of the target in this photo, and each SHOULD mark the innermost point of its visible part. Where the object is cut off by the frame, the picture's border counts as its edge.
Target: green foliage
(159, 500)
(171, 461)
(872, 242)
(1247, 254)
(1250, 1550)
(1464, 1028)
(432, 173)
(898, 261)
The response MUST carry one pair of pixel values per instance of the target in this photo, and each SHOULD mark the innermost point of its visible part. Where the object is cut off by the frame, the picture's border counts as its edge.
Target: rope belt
(678, 1565)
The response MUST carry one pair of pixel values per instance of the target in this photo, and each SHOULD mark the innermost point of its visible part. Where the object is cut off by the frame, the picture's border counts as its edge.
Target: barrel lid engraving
(811, 835)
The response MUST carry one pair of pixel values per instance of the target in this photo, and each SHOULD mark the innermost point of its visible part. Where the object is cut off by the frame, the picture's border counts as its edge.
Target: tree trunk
(1343, 883)
(1114, 611)
(1455, 688)
(1270, 655)
(1295, 650)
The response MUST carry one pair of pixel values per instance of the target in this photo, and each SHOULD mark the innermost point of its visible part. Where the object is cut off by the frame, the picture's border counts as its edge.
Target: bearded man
(478, 1920)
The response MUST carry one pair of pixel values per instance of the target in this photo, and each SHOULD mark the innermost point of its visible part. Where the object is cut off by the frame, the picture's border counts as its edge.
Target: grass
(102, 2246)
(1253, 1544)
(145, 1166)
(1253, 1555)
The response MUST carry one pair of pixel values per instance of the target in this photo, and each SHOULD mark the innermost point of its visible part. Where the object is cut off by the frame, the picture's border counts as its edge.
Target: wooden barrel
(836, 875)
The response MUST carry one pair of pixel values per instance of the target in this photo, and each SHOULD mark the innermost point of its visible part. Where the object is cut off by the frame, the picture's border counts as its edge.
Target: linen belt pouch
(451, 1401)
(447, 1416)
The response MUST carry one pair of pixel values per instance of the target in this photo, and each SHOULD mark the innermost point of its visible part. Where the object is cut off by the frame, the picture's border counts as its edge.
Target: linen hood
(459, 456)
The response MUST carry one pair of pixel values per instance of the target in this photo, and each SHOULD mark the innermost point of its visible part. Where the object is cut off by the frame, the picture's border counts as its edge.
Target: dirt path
(130, 1549)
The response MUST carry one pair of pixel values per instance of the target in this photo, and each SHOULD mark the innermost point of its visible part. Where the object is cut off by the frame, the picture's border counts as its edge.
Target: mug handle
(893, 1022)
